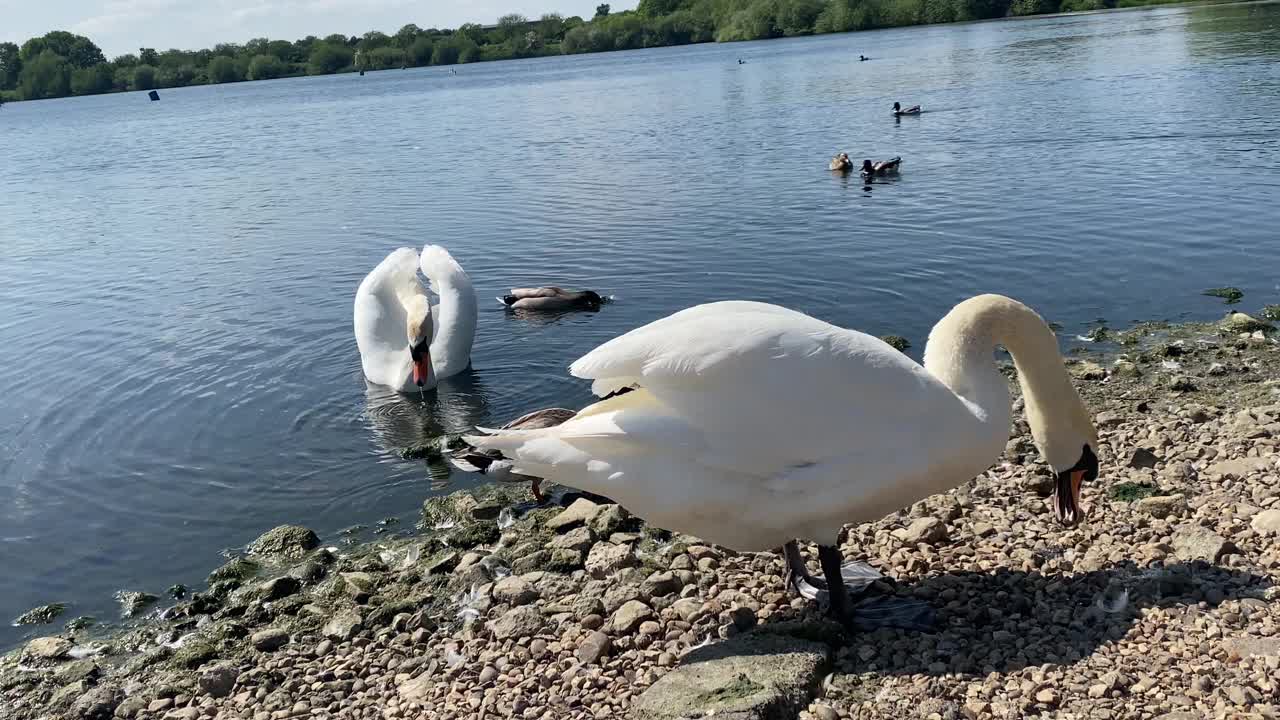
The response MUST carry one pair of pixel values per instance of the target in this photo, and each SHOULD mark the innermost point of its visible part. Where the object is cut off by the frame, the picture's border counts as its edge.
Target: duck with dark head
(551, 299)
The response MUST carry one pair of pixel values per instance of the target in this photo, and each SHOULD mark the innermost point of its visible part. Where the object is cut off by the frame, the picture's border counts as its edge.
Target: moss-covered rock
(42, 615)
(237, 568)
(194, 652)
(133, 602)
(289, 542)
(474, 533)
(897, 342)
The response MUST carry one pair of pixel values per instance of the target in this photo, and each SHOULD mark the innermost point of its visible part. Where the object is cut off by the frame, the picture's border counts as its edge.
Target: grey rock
(44, 650)
(518, 622)
(344, 625)
(609, 520)
(512, 590)
(687, 608)
(1198, 543)
(757, 676)
(309, 572)
(531, 562)
(927, 530)
(99, 703)
(290, 542)
(661, 583)
(278, 588)
(1238, 322)
(1163, 506)
(133, 602)
(417, 689)
(77, 670)
(628, 617)
(1143, 458)
(218, 680)
(269, 640)
(234, 569)
(605, 559)
(579, 539)
(1266, 522)
(1239, 468)
(595, 646)
(581, 512)
(1108, 419)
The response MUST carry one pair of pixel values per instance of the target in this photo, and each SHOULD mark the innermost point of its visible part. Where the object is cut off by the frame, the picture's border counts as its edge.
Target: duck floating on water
(551, 298)
(880, 167)
(840, 163)
(863, 58)
(913, 110)
(751, 425)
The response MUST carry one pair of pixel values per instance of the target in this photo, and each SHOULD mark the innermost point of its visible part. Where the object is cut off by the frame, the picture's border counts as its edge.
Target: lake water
(177, 366)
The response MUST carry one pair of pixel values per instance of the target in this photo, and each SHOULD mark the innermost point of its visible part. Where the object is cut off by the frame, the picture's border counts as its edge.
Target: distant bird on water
(551, 298)
(899, 110)
(880, 167)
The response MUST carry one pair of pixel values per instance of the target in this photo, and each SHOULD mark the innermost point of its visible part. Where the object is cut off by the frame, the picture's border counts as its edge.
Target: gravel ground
(1161, 605)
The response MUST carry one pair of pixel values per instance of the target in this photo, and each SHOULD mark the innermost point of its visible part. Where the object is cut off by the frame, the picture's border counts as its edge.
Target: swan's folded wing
(771, 388)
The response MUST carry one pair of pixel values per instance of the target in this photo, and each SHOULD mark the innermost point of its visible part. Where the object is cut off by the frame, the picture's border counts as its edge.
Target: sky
(123, 26)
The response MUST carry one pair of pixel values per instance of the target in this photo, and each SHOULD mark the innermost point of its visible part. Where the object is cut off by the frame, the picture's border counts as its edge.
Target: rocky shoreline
(1162, 605)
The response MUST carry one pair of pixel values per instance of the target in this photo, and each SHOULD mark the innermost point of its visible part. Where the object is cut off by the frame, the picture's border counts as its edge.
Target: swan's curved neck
(455, 323)
(960, 353)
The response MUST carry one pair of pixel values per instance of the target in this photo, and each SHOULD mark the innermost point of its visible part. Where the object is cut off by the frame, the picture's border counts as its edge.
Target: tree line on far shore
(60, 63)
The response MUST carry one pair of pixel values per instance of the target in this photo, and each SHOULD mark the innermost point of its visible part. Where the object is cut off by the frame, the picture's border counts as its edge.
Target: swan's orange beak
(421, 368)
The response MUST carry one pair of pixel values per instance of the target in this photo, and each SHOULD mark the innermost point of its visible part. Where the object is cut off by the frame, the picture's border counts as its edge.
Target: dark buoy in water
(153, 95)
(361, 73)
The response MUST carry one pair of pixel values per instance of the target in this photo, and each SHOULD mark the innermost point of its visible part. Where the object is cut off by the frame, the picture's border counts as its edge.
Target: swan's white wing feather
(380, 320)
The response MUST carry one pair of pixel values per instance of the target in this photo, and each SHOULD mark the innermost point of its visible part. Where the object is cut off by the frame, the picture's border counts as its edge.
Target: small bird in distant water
(880, 167)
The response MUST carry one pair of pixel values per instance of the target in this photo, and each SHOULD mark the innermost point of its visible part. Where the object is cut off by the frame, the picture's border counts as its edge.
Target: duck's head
(866, 166)
(897, 107)
(420, 327)
(591, 299)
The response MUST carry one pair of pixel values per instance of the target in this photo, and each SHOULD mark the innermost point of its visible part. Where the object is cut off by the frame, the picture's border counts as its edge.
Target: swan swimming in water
(752, 425)
(406, 343)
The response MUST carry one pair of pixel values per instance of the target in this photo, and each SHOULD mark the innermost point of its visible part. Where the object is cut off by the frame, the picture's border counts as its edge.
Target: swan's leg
(837, 598)
(798, 577)
(536, 487)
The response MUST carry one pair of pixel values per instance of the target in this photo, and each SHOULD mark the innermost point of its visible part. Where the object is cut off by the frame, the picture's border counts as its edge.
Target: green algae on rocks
(42, 615)
(897, 342)
(1132, 491)
(1231, 294)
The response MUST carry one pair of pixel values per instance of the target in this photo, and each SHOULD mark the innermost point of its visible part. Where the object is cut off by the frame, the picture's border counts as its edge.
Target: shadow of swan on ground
(1006, 620)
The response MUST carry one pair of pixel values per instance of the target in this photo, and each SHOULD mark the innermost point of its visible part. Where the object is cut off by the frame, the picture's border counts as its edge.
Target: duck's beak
(1066, 497)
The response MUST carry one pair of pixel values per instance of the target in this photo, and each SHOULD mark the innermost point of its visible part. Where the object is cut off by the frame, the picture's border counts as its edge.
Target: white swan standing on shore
(406, 343)
(753, 425)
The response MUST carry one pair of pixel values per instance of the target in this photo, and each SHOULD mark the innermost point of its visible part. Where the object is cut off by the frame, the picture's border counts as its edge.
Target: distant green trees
(61, 63)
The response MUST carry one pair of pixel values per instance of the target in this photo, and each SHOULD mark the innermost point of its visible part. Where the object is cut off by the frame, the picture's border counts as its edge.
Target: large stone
(1238, 322)
(595, 646)
(45, 650)
(1143, 458)
(237, 568)
(289, 542)
(927, 530)
(518, 622)
(579, 540)
(270, 640)
(1267, 522)
(278, 588)
(609, 520)
(133, 602)
(1163, 506)
(417, 689)
(628, 617)
(581, 512)
(757, 676)
(217, 681)
(661, 583)
(344, 625)
(607, 558)
(1198, 543)
(99, 703)
(514, 591)
(1240, 467)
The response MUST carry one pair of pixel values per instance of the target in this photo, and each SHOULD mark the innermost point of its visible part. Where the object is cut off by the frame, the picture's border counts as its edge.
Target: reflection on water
(176, 279)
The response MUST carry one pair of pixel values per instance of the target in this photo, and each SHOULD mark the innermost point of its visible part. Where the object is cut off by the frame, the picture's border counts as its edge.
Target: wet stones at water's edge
(1161, 603)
